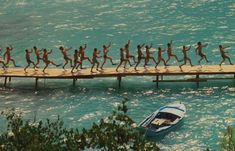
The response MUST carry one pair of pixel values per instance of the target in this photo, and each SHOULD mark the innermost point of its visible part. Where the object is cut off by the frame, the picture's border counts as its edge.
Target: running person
(8, 55)
(122, 59)
(186, 58)
(148, 55)
(201, 54)
(1, 60)
(29, 61)
(128, 55)
(140, 55)
(105, 55)
(37, 53)
(46, 60)
(223, 55)
(94, 59)
(159, 57)
(76, 62)
(169, 52)
(67, 59)
(81, 54)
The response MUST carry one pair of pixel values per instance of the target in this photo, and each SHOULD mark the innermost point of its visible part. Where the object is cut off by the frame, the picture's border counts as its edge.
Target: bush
(228, 140)
(115, 132)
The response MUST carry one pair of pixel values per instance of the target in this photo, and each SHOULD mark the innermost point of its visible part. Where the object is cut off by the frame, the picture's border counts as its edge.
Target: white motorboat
(164, 119)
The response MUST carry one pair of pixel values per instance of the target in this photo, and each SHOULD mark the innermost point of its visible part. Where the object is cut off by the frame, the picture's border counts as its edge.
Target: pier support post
(119, 78)
(36, 84)
(5, 82)
(157, 80)
(197, 78)
(9, 79)
(74, 82)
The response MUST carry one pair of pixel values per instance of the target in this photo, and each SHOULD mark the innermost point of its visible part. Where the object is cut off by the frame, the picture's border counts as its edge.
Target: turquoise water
(53, 23)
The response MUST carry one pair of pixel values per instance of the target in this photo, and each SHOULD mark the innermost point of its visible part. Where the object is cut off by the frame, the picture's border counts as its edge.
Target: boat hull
(172, 115)
(161, 134)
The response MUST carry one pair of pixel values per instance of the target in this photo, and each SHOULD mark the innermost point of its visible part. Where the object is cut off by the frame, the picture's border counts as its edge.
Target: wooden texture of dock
(161, 71)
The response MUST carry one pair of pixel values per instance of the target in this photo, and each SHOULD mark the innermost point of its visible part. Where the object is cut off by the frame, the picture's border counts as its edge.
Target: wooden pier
(159, 73)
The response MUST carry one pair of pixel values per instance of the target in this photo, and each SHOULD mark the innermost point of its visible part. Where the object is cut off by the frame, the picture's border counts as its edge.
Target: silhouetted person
(128, 55)
(47, 61)
(140, 55)
(105, 55)
(67, 59)
(186, 58)
(76, 62)
(223, 55)
(28, 60)
(8, 55)
(94, 59)
(148, 55)
(201, 54)
(38, 57)
(170, 53)
(81, 54)
(122, 59)
(159, 57)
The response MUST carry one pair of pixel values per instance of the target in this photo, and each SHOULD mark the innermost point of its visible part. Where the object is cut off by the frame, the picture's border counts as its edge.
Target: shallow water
(48, 24)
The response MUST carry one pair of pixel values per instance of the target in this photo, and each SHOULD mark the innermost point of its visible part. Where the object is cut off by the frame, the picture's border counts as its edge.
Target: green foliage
(228, 140)
(116, 132)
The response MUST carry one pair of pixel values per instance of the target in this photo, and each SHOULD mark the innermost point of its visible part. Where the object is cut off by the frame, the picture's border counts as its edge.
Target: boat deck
(161, 71)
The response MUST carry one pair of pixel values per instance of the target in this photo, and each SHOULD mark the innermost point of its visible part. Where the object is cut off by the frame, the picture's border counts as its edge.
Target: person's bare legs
(66, 62)
(45, 67)
(119, 65)
(97, 66)
(13, 62)
(138, 62)
(103, 63)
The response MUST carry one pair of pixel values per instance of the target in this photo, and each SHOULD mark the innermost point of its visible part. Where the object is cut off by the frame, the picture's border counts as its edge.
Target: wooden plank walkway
(57, 73)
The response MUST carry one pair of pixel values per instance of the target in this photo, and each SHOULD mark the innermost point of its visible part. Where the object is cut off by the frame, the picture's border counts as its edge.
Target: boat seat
(159, 121)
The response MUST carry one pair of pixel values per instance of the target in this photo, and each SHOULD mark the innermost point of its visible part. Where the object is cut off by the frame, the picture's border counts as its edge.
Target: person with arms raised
(81, 54)
(28, 60)
(128, 55)
(223, 55)
(67, 59)
(170, 53)
(186, 58)
(38, 57)
(94, 59)
(148, 55)
(122, 59)
(159, 57)
(105, 55)
(47, 61)
(140, 55)
(200, 53)
(76, 62)
(7, 55)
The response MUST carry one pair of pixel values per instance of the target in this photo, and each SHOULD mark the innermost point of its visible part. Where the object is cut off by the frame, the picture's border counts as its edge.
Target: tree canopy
(116, 132)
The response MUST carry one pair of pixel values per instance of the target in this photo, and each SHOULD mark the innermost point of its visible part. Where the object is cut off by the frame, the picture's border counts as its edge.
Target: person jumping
(186, 58)
(223, 55)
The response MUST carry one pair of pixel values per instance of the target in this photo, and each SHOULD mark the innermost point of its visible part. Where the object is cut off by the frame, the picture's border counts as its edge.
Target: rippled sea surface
(49, 24)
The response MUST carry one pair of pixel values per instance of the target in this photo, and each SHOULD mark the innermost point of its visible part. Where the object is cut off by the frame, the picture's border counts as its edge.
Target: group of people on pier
(79, 56)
